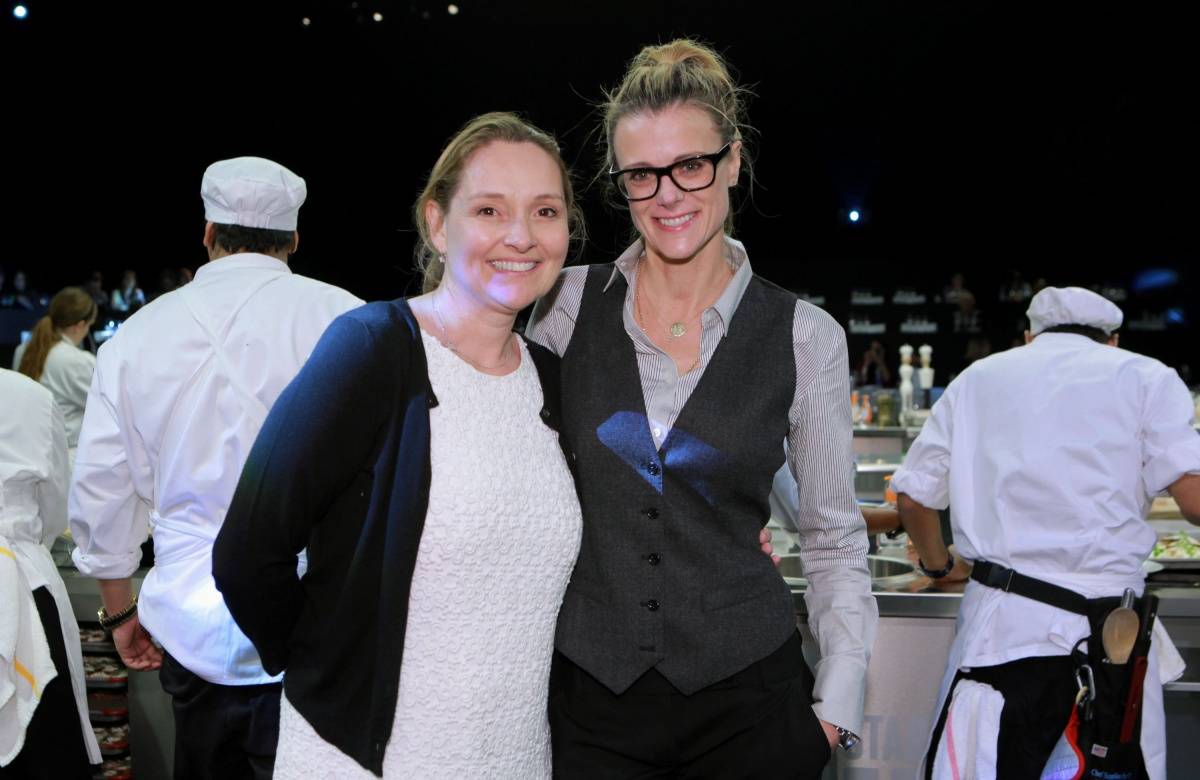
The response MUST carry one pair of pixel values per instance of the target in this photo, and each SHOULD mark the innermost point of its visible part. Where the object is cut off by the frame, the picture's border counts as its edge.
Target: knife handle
(1133, 704)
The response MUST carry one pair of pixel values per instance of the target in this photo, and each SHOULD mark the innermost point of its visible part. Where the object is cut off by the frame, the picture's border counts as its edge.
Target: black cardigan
(341, 467)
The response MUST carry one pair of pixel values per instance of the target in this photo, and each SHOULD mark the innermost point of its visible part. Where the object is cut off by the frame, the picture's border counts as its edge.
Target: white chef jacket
(1050, 454)
(33, 511)
(68, 374)
(178, 398)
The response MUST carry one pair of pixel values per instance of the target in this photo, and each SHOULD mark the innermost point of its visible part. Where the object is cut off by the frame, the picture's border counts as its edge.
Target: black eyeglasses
(694, 173)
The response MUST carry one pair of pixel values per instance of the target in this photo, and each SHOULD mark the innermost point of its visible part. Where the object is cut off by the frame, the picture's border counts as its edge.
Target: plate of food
(1176, 551)
(1164, 508)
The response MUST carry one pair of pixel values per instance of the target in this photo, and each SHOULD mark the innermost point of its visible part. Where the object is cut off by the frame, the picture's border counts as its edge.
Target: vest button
(653, 469)
(545, 414)
(651, 605)
(653, 559)
(651, 512)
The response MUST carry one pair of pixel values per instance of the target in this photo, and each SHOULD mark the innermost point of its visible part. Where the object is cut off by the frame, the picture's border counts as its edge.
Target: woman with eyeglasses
(683, 373)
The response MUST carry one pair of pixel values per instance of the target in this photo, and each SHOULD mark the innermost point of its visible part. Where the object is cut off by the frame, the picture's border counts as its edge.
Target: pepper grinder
(925, 372)
(906, 384)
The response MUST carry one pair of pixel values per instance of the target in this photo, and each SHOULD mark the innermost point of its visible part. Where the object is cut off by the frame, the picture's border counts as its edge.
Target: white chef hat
(1072, 306)
(252, 192)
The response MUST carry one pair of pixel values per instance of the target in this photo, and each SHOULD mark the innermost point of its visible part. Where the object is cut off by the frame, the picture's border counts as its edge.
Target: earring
(442, 259)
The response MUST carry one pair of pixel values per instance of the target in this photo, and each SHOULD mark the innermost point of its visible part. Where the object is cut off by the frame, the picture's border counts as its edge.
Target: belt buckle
(995, 577)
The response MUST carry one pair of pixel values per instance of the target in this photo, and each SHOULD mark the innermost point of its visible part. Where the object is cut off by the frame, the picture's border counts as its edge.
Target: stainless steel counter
(915, 596)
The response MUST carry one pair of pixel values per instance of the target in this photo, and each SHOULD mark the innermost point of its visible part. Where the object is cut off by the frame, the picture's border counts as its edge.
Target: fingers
(136, 648)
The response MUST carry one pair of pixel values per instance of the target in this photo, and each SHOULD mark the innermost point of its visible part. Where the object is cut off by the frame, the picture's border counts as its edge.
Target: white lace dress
(500, 539)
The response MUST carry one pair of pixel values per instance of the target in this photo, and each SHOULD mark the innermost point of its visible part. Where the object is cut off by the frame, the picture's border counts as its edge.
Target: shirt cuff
(106, 566)
(922, 488)
(1162, 471)
(844, 619)
(840, 692)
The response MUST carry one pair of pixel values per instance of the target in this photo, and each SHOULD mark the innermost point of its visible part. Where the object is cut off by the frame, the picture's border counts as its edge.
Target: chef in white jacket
(44, 727)
(1048, 455)
(178, 397)
(56, 359)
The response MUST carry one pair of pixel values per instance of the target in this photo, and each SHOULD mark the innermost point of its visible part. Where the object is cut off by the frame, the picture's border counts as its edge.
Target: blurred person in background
(53, 355)
(128, 298)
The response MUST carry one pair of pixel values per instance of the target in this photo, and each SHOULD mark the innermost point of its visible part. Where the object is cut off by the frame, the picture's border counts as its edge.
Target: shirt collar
(725, 305)
(239, 261)
(1048, 340)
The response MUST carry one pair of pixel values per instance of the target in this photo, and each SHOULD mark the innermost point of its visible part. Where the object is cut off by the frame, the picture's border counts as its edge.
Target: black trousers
(759, 723)
(1039, 693)
(53, 747)
(222, 732)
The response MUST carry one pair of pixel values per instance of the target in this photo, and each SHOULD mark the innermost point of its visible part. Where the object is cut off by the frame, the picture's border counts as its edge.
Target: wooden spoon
(1120, 630)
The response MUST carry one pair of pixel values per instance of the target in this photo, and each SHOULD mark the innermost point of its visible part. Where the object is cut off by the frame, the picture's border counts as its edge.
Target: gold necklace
(637, 311)
(450, 345)
(677, 329)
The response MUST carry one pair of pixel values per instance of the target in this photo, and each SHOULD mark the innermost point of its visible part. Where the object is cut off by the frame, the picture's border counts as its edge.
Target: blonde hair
(70, 306)
(447, 173)
(682, 71)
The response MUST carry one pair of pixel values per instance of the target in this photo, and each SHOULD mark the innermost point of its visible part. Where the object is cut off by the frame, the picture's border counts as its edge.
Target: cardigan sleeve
(318, 436)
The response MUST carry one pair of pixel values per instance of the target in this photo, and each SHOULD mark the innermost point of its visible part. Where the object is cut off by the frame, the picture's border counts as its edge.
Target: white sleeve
(103, 507)
(1170, 446)
(52, 492)
(77, 378)
(925, 474)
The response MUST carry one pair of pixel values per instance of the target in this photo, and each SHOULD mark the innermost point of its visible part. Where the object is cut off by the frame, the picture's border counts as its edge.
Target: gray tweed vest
(670, 575)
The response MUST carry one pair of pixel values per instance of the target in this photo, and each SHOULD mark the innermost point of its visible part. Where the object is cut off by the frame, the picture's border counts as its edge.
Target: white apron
(1164, 665)
(19, 538)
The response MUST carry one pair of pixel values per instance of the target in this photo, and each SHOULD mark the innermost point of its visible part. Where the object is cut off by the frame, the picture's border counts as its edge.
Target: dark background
(1060, 141)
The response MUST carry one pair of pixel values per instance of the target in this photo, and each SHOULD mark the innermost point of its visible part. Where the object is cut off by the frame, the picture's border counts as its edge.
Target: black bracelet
(936, 575)
(109, 622)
